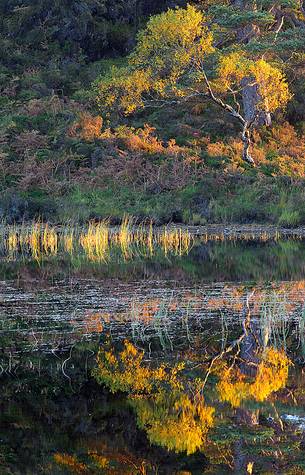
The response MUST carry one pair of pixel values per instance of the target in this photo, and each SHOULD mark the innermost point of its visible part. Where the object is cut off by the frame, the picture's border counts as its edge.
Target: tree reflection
(175, 420)
(168, 399)
(169, 407)
(271, 375)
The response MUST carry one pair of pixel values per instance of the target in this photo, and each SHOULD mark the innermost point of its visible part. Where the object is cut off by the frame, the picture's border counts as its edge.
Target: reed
(125, 236)
(68, 238)
(95, 241)
(274, 320)
(49, 241)
(12, 241)
(150, 239)
(176, 241)
(34, 241)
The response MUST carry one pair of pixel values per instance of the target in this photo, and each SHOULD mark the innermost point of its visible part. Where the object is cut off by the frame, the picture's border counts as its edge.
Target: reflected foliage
(128, 387)
(168, 401)
(271, 375)
(175, 420)
(173, 415)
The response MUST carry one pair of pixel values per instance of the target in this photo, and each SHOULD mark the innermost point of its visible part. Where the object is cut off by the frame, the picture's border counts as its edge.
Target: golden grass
(176, 241)
(12, 242)
(125, 236)
(95, 241)
(68, 240)
(34, 241)
(49, 241)
(98, 241)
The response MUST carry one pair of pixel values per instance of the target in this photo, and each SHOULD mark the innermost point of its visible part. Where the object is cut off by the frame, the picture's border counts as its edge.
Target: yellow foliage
(272, 374)
(235, 69)
(126, 372)
(170, 44)
(233, 388)
(231, 70)
(175, 421)
(170, 416)
(272, 85)
(168, 64)
(123, 88)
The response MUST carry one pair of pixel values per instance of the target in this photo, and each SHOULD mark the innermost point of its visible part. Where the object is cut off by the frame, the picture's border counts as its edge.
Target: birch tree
(176, 60)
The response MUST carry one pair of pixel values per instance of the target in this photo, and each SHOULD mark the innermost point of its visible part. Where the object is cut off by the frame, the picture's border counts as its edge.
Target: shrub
(87, 127)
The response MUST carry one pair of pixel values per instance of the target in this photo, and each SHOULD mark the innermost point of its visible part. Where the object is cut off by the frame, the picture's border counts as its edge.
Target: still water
(180, 358)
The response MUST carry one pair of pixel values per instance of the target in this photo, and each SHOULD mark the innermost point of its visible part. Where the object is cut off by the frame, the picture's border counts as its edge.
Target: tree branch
(220, 102)
(245, 136)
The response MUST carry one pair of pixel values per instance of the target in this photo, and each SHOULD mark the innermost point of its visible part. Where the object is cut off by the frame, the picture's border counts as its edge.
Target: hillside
(65, 157)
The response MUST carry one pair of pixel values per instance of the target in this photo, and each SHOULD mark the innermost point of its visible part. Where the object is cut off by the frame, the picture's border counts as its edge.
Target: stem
(246, 138)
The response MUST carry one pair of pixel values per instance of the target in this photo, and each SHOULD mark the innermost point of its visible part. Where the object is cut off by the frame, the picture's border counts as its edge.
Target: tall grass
(95, 241)
(175, 241)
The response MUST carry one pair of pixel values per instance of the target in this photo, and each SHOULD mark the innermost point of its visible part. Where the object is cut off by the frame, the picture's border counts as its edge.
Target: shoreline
(209, 231)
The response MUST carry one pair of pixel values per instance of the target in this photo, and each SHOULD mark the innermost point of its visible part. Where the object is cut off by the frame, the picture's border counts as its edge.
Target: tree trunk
(246, 126)
(251, 99)
(250, 94)
(246, 138)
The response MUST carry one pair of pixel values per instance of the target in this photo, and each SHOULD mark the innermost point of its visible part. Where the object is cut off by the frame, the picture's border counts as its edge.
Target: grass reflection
(96, 242)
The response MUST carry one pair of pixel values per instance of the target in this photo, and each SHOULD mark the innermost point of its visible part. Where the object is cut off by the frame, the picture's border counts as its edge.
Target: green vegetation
(98, 120)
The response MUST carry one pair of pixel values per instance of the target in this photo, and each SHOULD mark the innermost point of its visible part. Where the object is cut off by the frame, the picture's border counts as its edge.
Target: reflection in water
(224, 261)
(175, 420)
(97, 241)
(173, 415)
(271, 375)
(165, 369)
(231, 252)
(168, 400)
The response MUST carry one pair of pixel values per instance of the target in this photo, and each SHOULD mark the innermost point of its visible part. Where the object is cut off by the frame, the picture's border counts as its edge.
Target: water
(163, 362)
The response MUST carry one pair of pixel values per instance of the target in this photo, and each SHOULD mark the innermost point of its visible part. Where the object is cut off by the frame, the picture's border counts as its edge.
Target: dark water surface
(166, 364)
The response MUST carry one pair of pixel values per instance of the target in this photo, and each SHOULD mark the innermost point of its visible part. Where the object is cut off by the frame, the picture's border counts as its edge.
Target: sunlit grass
(175, 241)
(98, 241)
(35, 241)
(12, 241)
(68, 240)
(95, 242)
(49, 241)
(125, 237)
